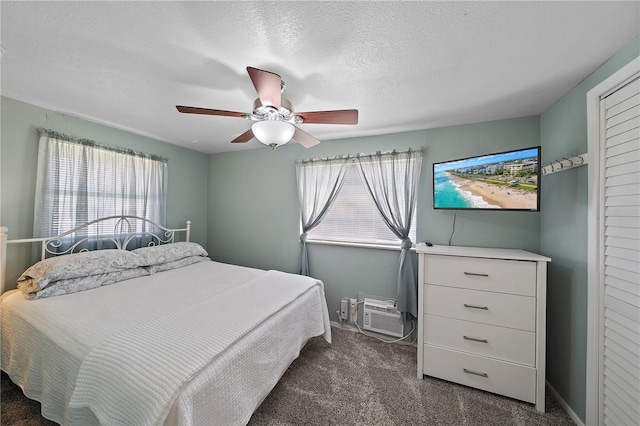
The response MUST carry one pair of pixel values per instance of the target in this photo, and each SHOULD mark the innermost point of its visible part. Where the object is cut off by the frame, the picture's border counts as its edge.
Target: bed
(176, 341)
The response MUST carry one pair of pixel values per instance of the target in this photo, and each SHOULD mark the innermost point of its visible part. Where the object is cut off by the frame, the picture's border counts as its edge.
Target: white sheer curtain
(79, 180)
(319, 182)
(391, 180)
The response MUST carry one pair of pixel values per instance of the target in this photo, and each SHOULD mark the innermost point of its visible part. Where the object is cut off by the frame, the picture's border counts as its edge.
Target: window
(79, 181)
(353, 217)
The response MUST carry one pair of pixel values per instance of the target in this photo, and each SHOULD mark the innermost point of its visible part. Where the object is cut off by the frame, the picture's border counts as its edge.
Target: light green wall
(187, 174)
(254, 216)
(245, 202)
(563, 237)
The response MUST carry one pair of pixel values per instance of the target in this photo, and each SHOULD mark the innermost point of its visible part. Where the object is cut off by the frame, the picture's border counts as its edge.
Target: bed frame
(121, 231)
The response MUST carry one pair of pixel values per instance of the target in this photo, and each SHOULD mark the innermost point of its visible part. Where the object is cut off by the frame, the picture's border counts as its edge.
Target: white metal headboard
(123, 229)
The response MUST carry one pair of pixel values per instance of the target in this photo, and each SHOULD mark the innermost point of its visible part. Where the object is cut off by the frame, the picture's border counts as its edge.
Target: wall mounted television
(501, 181)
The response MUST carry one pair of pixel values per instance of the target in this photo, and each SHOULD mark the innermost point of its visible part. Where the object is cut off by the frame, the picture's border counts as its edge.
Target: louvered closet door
(621, 285)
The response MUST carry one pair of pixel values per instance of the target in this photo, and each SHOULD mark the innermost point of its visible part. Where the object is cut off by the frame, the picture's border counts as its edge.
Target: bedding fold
(134, 376)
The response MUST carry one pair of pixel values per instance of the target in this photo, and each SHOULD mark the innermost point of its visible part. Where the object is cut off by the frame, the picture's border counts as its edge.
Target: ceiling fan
(273, 114)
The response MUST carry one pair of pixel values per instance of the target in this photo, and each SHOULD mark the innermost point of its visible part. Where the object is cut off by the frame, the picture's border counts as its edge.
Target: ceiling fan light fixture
(273, 133)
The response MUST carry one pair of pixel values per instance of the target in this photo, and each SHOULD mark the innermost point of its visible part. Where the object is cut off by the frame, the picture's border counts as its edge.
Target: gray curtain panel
(391, 180)
(319, 182)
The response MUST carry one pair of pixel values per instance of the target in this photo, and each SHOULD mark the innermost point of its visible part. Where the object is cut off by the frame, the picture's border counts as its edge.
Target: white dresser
(481, 319)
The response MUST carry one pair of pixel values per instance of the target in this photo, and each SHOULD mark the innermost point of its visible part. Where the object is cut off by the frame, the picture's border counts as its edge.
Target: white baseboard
(351, 327)
(344, 325)
(564, 405)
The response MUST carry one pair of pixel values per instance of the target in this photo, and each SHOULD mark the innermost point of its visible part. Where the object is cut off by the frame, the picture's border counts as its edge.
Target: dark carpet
(357, 380)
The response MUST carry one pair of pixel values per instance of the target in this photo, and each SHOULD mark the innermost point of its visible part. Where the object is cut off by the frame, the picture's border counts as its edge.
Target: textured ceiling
(403, 65)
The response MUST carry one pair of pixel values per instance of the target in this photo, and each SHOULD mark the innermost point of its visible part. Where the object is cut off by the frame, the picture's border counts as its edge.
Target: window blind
(79, 181)
(354, 218)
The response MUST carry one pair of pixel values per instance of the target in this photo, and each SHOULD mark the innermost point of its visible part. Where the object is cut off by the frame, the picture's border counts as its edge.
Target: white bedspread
(44, 343)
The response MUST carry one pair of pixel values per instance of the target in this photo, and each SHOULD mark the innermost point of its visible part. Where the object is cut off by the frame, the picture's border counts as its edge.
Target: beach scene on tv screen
(497, 181)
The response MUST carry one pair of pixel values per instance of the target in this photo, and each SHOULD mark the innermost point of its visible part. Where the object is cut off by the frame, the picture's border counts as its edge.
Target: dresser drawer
(504, 276)
(504, 378)
(505, 310)
(506, 344)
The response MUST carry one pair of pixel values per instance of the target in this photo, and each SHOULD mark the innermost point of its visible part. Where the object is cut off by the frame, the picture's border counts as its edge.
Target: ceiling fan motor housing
(269, 112)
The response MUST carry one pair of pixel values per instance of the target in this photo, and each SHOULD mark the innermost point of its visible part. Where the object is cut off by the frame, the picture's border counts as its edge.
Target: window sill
(358, 245)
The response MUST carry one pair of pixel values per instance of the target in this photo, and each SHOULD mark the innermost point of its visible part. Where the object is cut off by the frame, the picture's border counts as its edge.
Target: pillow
(175, 264)
(74, 285)
(169, 252)
(77, 265)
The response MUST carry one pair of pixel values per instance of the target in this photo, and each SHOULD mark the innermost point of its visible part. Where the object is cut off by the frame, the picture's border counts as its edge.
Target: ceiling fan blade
(343, 116)
(304, 138)
(207, 111)
(245, 137)
(268, 85)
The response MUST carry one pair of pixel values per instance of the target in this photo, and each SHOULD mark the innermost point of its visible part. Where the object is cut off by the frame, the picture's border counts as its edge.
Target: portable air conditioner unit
(382, 317)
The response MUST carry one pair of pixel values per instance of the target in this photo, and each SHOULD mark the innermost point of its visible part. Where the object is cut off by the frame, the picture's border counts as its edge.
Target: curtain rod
(88, 142)
(354, 156)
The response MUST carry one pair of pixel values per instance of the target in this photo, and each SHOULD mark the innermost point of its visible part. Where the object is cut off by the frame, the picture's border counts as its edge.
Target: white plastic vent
(382, 317)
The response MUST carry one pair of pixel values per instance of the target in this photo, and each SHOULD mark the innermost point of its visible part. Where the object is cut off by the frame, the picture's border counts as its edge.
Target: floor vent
(382, 317)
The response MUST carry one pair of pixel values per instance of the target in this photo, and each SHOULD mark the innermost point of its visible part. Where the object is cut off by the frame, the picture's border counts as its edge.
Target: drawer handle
(475, 373)
(475, 340)
(475, 274)
(476, 307)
